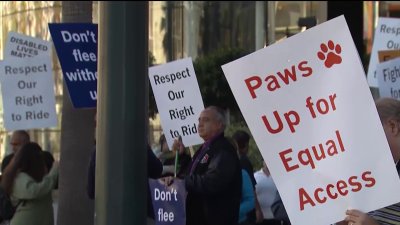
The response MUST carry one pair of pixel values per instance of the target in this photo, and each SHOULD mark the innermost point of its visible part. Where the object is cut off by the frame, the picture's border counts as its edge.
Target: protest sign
(27, 88)
(178, 100)
(168, 202)
(388, 74)
(385, 38)
(76, 46)
(21, 46)
(311, 113)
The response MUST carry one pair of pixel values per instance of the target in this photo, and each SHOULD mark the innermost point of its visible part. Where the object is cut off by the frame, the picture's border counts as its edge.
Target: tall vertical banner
(309, 108)
(386, 37)
(76, 46)
(27, 88)
(178, 100)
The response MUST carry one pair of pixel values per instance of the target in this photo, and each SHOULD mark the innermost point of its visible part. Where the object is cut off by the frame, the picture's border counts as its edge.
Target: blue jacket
(247, 203)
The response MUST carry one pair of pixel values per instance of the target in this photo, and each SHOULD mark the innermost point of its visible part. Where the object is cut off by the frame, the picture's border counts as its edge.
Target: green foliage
(215, 90)
(213, 85)
(254, 153)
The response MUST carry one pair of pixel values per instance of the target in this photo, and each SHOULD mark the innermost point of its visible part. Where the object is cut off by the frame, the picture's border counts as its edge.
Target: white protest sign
(21, 46)
(178, 100)
(309, 108)
(27, 88)
(386, 37)
(388, 74)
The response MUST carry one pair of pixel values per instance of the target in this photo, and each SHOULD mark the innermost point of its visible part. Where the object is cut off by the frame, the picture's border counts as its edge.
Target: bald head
(388, 108)
(18, 139)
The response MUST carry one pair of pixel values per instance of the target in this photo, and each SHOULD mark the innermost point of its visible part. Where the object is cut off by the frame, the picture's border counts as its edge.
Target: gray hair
(219, 115)
(388, 108)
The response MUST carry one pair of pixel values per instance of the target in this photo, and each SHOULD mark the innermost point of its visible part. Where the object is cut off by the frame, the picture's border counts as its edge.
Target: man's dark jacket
(214, 188)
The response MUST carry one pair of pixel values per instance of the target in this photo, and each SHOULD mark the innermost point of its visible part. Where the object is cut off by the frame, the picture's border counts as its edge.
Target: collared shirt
(202, 151)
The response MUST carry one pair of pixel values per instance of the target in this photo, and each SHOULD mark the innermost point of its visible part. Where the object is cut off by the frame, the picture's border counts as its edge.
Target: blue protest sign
(168, 202)
(76, 47)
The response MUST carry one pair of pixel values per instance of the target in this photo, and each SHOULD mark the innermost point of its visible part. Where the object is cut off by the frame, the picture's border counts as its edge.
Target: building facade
(180, 29)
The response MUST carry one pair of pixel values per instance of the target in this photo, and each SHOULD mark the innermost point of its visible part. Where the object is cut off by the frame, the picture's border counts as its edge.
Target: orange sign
(387, 55)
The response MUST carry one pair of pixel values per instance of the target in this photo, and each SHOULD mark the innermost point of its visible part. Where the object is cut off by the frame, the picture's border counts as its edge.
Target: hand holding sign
(178, 100)
(314, 121)
(167, 180)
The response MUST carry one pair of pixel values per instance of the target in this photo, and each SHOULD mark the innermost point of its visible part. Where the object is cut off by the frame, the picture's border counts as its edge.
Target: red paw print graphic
(330, 53)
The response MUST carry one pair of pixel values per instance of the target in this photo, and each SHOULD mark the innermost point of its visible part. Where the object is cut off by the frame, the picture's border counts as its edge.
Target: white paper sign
(27, 88)
(309, 108)
(388, 74)
(386, 37)
(178, 100)
(22, 46)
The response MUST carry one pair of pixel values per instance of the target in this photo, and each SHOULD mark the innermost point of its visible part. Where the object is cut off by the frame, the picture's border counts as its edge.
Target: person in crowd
(90, 186)
(167, 157)
(29, 184)
(389, 114)
(279, 210)
(242, 139)
(18, 139)
(247, 202)
(164, 155)
(48, 159)
(154, 170)
(91, 172)
(154, 166)
(213, 180)
(266, 191)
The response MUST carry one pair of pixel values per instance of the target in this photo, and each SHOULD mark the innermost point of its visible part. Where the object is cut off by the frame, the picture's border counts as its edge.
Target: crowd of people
(222, 186)
(220, 180)
(29, 175)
